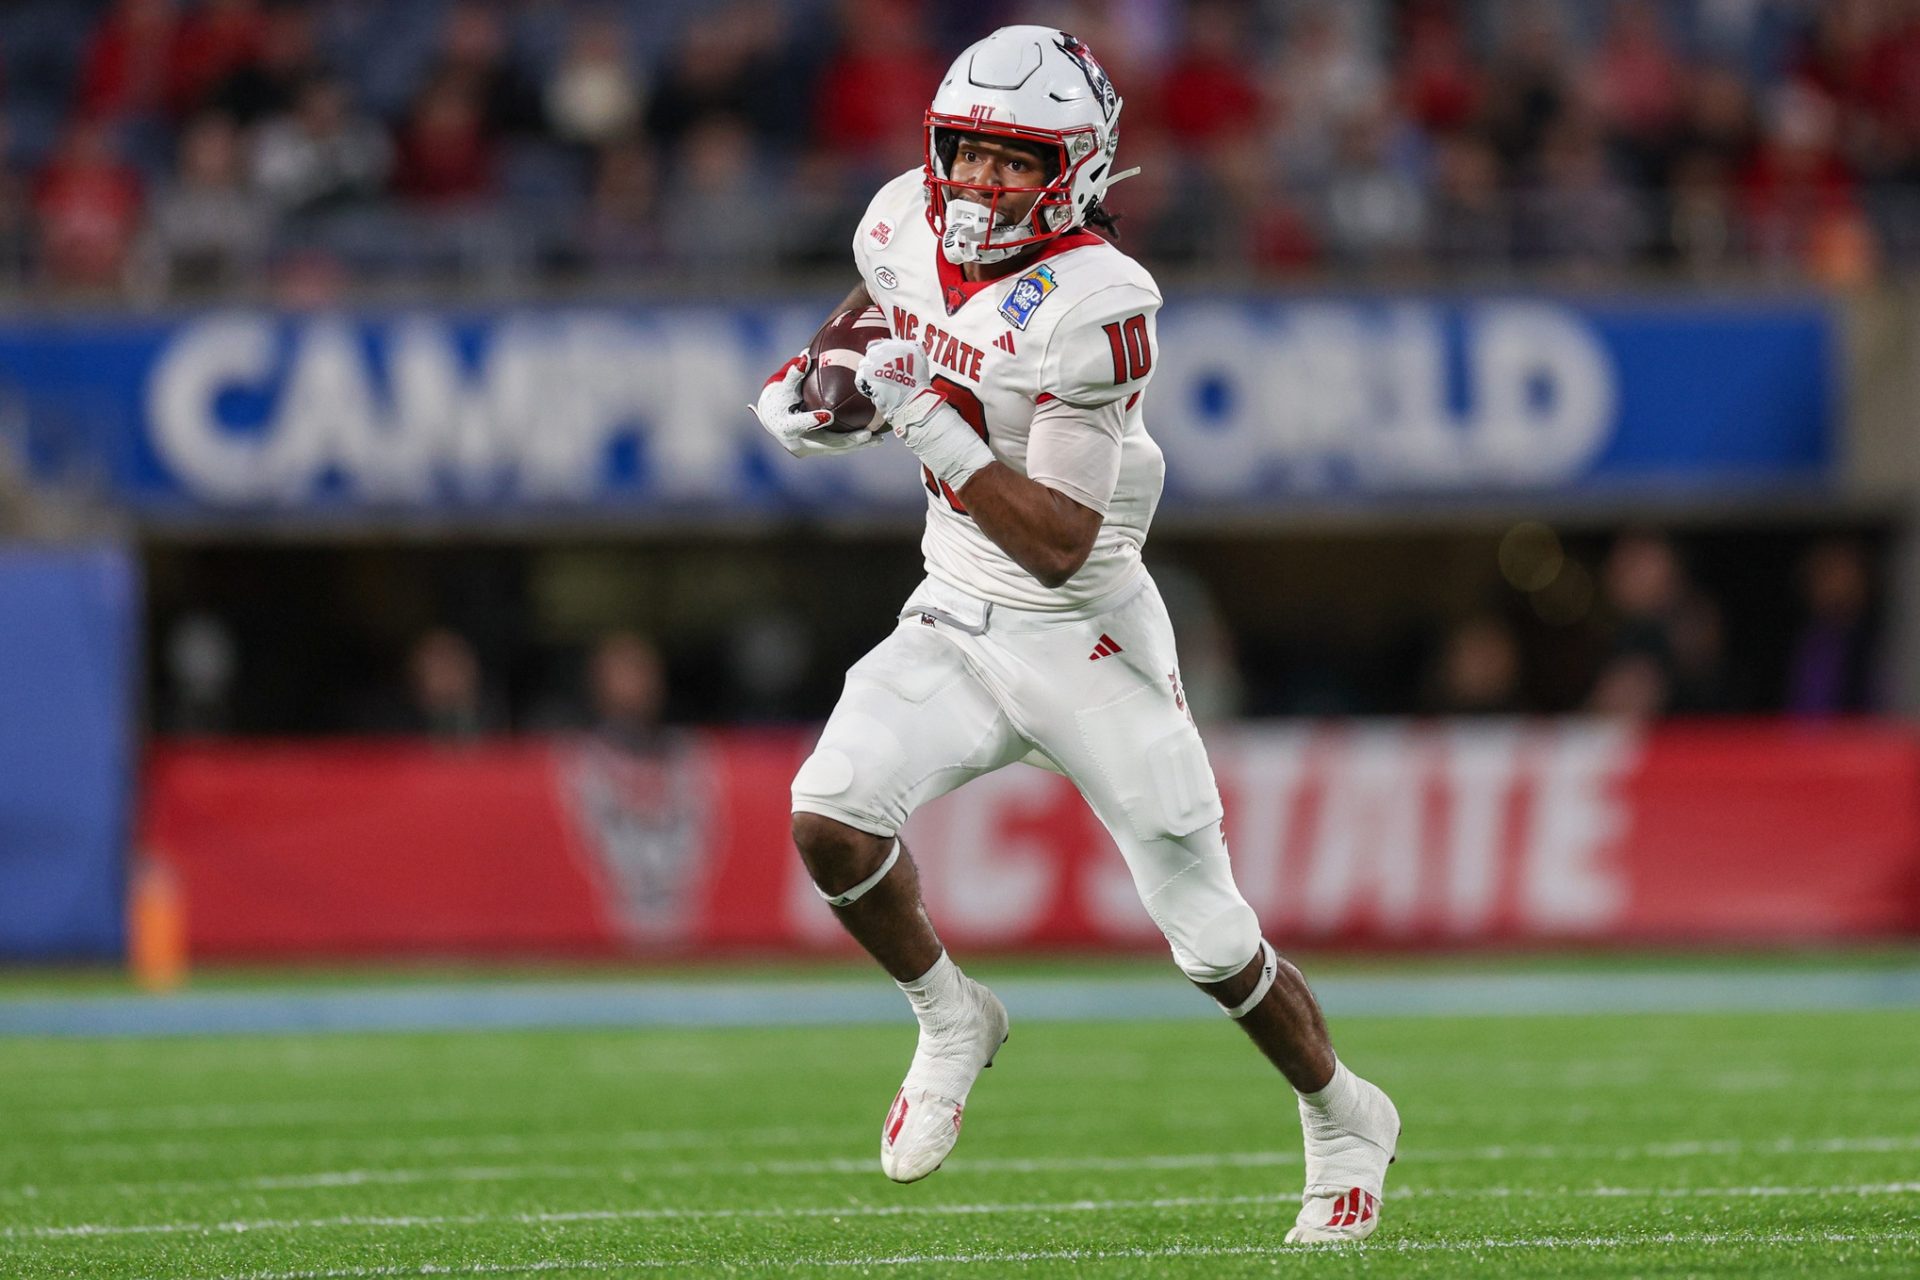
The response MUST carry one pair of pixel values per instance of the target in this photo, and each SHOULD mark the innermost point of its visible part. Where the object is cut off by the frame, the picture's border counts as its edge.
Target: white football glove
(796, 427)
(894, 375)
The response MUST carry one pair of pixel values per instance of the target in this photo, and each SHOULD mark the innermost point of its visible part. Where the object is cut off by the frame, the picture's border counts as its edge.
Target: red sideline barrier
(1395, 833)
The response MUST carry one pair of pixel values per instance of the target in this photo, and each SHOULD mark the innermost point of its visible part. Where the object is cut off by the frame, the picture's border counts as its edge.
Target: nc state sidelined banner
(1394, 833)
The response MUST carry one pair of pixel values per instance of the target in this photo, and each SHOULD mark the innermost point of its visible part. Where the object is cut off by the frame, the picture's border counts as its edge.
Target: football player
(1022, 346)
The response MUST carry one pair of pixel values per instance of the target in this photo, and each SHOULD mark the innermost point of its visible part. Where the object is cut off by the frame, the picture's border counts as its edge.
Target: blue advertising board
(1258, 404)
(67, 651)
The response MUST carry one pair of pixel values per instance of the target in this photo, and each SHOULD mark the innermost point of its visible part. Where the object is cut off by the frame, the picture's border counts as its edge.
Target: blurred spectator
(1470, 220)
(1796, 182)
(1323, 81)
(446, 698)
(1644, 588)
(1702, 684)
(88, 206)
(717, 217)
(323, 156)
(445, 155)
(1700, 231)
(1832, 668)
(639, 789)
(128, 60)
(1529, 83)
(720, 69)
(474, 63)
(626, 692)
(217, 39)
(621, 232)
(1478, 671)
(1376, 212)
(269, 84)
(874, 89)
(1576, 211)
(593, 96)
(1637, 80)
(1208, 95)
(1437, 85)
(201, 663)
(207, 229)
(1632, 686)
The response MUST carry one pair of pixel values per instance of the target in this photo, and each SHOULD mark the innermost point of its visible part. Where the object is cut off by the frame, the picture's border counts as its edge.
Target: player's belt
(941, 615)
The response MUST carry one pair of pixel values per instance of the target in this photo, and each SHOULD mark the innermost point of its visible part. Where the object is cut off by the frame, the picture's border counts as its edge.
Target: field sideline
(1578, 1144)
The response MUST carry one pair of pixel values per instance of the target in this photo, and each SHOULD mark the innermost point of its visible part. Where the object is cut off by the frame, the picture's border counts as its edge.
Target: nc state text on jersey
(941, 347)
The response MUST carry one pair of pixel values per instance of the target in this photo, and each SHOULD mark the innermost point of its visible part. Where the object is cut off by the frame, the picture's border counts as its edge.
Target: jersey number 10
(1132, 354)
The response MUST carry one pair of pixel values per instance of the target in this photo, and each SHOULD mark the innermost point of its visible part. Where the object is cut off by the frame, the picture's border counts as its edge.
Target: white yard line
(862, 1166)
(238, 1115)
(989, 1208)
(503, 1144)
(1020, 1256)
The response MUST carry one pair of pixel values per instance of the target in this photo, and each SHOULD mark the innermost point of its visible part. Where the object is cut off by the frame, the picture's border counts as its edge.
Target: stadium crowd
(1640, 624)
(169, 148)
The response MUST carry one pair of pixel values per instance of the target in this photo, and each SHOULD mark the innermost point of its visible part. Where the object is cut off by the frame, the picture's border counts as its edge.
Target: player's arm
(1047, 520)
(858, 300)
(1040, 528)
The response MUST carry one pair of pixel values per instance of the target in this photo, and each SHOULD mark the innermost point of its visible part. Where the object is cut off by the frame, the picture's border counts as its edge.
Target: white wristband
(941, 438)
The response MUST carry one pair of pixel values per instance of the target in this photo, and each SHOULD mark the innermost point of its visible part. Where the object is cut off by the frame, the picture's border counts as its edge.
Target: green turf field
(1537, 1146)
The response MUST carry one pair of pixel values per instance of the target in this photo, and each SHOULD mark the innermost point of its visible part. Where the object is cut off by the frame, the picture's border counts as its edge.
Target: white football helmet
(1036, 86)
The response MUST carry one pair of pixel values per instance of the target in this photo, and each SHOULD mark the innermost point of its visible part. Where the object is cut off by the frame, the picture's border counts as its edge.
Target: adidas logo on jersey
(1005, 342)
(1107, 647)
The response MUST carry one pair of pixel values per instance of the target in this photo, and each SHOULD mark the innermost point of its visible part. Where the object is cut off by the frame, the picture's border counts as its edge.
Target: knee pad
(1209, 926)
(1220, 947)
(849, 772)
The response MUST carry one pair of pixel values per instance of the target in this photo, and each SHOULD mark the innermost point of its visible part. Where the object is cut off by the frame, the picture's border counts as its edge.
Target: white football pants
(962, 687)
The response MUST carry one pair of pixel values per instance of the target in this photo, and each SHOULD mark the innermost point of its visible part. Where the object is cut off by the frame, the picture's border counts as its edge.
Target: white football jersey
(1077, 325)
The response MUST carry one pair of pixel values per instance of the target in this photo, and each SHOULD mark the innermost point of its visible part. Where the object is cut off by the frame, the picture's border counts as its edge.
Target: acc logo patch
(1028, 292)
(882, 232)
(887, 279)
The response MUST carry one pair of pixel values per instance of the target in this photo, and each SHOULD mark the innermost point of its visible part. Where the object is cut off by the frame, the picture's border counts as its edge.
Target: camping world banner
(639, 412)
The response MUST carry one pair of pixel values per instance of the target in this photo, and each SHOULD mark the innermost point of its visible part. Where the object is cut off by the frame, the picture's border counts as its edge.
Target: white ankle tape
(1269, 969)
(859, 891)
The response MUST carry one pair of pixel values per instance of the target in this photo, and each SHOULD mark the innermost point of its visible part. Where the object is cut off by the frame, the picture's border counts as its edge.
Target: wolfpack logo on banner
(645, 815)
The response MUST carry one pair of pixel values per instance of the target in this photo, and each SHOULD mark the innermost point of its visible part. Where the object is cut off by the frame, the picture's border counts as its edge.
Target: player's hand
(894, 375)
(891, 373)
(795, 426)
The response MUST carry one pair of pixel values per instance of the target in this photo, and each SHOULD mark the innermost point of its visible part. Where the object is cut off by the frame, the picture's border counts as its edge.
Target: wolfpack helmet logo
(1028, 292)
(1076, 48)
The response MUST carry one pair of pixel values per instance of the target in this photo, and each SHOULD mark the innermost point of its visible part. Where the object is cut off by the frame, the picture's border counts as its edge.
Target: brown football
(836, 352)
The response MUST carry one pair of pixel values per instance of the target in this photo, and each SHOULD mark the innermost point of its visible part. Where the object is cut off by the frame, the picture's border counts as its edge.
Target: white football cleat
(924, 1121)
(1346, 1168)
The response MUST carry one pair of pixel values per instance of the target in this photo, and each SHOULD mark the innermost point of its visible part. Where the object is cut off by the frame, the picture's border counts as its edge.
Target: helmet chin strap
(969, 226)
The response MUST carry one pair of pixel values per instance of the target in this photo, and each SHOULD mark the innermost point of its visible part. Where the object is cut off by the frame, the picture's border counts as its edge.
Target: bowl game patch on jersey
(1028, 292)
